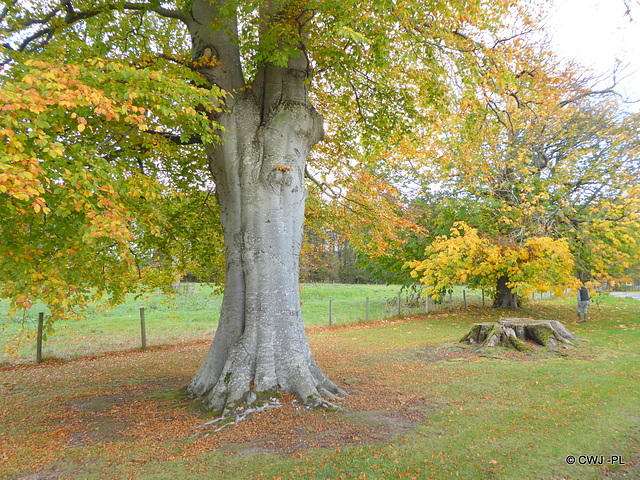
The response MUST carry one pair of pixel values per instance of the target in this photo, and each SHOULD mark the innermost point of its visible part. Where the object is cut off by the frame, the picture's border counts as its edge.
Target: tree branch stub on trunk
(516, 332)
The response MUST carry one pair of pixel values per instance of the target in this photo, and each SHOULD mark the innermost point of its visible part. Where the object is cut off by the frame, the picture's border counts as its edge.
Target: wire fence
(155, 327)
(342, 311)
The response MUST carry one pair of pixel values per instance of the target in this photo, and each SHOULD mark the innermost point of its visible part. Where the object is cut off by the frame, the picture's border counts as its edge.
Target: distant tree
(509, 268)
(542, 160)
(327, 256)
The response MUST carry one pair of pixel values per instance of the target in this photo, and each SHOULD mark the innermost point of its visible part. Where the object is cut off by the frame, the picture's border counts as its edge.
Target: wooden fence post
(483, 297)
(39, 337)
(450, 301)
(330, 312)
(399, 300)
(143, 332)
(464, 298)
(426, 304)
(367, 309)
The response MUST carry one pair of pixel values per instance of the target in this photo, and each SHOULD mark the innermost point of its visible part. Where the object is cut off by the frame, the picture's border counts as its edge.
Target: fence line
(463, 298)
(376, 308)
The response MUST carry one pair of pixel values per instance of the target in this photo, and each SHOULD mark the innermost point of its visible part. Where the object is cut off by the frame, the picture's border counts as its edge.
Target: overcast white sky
(598, 34)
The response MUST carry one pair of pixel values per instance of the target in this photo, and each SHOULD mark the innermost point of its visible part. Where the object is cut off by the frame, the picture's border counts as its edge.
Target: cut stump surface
(515, 332)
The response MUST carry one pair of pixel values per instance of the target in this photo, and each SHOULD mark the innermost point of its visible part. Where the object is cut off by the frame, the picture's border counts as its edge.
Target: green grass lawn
(461, 415)
(194, 313)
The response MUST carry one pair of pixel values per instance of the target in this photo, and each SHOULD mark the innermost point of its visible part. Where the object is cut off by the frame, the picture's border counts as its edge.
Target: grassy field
(193, 315)
(418, 408)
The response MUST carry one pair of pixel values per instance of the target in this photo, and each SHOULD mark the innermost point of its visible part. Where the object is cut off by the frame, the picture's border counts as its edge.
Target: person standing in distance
(583, 304)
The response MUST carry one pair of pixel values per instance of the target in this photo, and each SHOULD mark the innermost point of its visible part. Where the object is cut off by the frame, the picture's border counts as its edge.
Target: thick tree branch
(580, 96)
(177, 139)
(41, 21)
(6, 9)
(214, 35)
(496, 112)
(334, 194)
(73, 16)
(322, 185)
(163, 12)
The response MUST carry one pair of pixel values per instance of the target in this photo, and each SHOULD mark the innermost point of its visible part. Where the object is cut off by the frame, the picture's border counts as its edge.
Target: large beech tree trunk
(260, 347)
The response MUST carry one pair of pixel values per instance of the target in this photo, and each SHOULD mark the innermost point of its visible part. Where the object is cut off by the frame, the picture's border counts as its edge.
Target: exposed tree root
(515, 332)
(235, 418)
(229, 418)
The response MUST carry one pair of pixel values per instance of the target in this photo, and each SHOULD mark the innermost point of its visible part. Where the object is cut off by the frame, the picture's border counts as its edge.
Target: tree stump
(514, 333)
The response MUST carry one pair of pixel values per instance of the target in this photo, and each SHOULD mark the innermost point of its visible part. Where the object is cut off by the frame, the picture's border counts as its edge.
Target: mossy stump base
(515, 332)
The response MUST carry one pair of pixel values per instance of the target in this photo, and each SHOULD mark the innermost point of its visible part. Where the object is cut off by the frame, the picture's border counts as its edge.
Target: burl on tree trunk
(514, 333)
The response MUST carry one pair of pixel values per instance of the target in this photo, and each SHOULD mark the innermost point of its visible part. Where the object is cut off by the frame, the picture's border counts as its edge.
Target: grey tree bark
(505, 297)
(270, 126)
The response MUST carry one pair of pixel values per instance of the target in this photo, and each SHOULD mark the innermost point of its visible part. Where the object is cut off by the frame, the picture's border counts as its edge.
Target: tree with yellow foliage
(510, 269)
(545, 172)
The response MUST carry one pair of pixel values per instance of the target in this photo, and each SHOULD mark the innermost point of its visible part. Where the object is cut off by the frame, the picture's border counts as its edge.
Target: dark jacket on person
(584, 295)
